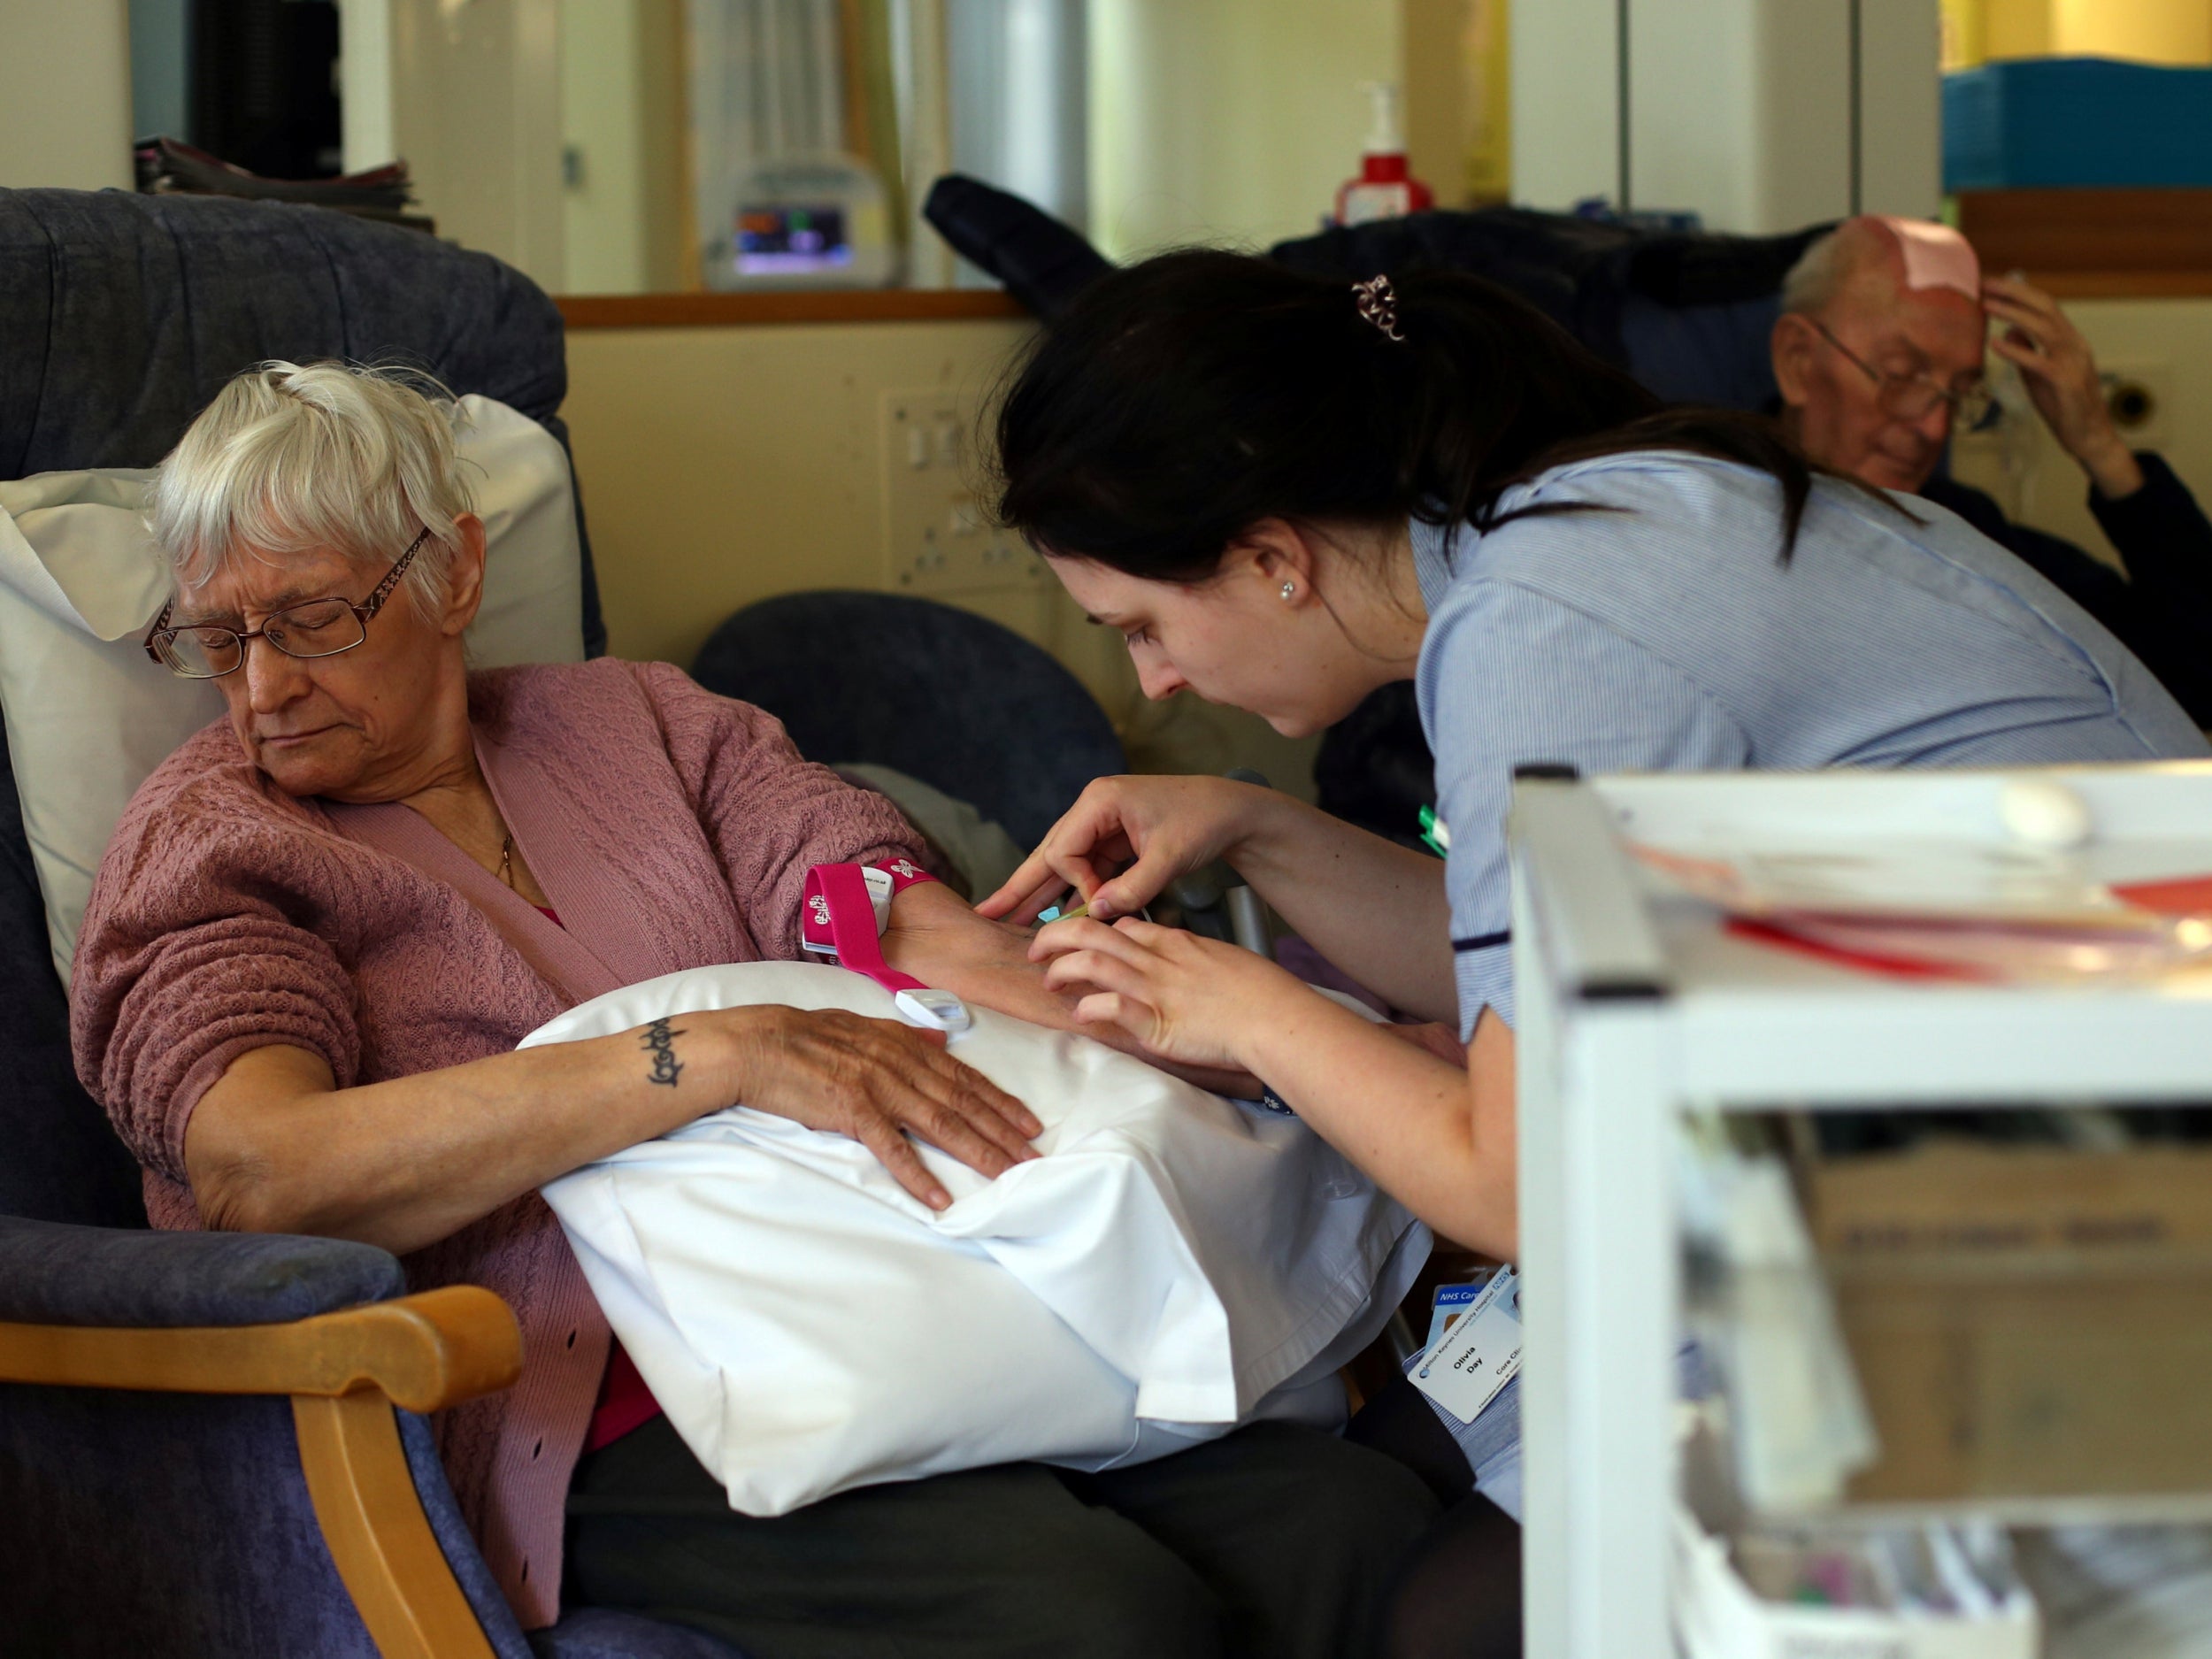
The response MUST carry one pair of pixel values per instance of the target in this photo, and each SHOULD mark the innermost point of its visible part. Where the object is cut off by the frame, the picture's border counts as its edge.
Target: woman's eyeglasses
(1915, 396)
(314, 628)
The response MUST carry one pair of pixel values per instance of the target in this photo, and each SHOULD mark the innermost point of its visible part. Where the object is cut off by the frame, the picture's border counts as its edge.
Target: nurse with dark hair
(1285, 492)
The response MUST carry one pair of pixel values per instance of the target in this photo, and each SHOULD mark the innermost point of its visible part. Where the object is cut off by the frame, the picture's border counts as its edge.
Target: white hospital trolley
(1640, 1007)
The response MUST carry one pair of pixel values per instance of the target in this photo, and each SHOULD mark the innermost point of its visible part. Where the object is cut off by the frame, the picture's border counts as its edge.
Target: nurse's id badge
(1464, 1370)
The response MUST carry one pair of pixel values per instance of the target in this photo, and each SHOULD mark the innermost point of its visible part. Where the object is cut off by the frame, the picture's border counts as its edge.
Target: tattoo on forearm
(660, 1043)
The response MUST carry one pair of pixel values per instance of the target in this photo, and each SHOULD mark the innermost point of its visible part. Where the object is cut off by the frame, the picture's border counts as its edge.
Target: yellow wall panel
(722, 465)
(2016, 29)
(2147, 31)
(2151, 31)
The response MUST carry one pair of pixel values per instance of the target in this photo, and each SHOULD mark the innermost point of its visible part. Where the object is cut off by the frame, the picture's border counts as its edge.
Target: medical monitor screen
(792, 240)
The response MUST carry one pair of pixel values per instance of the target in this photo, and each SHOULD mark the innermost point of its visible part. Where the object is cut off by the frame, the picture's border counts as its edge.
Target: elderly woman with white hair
(325, 922)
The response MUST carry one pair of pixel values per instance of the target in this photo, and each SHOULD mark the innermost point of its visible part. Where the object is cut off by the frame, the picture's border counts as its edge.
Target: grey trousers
(1276, 1542)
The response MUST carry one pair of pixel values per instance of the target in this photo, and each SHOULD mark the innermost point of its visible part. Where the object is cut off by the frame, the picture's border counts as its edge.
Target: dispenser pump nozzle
(1386, 135)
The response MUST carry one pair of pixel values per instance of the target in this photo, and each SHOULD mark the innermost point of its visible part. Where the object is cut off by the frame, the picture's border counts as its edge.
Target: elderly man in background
(1880, 351)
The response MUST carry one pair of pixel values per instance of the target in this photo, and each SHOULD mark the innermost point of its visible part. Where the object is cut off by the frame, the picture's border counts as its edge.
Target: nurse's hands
(1158, 827)
(1197, 1001)
(935, 937)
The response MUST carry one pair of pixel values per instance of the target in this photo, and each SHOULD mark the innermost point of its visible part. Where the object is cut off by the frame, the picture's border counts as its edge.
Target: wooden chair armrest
(424, 1352)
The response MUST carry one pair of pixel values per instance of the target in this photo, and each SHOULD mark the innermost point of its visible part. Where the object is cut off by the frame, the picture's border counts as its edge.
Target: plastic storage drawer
(2081, 121)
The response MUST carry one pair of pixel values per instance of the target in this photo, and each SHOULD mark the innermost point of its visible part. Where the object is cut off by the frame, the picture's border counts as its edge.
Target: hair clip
(1377, 302)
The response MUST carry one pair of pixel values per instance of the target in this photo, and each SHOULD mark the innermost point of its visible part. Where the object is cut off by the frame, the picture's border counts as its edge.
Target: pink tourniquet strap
(843, 891)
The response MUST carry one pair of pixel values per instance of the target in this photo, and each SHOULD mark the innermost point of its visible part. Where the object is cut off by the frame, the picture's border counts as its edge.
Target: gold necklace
(507, 861)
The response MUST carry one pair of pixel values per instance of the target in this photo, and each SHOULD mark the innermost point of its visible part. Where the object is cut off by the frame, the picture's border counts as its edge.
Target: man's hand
(2061, 373)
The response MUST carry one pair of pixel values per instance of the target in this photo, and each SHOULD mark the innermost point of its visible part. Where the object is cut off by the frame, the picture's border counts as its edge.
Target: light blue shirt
(1667, 635)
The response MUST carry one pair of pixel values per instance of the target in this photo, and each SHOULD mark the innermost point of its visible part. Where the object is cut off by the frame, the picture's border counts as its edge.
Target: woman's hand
(1192, 1000)
(1159, 827)
(879, 1082)
(1431, 1122)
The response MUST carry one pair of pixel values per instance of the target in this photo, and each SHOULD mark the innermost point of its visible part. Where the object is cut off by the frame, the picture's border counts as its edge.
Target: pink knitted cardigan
(669, 827)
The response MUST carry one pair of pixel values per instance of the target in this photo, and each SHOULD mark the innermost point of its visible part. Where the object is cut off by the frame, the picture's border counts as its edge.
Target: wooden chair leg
(372, 1520)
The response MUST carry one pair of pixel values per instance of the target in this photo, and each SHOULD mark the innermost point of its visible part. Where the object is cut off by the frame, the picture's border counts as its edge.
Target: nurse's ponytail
(1182, 400)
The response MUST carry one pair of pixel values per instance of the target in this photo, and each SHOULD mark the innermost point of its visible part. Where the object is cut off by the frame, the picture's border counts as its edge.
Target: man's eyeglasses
(314, 628)
(1915, 396)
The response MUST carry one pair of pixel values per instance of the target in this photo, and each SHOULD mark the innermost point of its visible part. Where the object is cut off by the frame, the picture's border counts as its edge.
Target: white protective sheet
(1172, 1266)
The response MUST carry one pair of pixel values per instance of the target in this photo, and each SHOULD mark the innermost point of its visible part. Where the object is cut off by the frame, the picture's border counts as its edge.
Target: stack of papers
(1928, 1592)
(1953, 910)
(2122, 1592)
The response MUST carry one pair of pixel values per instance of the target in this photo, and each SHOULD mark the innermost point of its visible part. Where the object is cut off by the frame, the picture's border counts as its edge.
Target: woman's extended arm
(1438, 1139)
(276, 1146)
(1376, 910)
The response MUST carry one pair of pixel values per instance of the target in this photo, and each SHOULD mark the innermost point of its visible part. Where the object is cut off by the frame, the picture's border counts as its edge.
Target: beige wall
(470, 95)
(1565, 118)
(1458, 98)
(65, 95)
(1228, 121)
(1738, 110)
(723, 465)
(720, 465)
(603, 207)
(622, 118)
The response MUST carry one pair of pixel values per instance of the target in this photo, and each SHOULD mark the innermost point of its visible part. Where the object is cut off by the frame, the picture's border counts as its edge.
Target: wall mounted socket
(2139, 396)
(938, 540)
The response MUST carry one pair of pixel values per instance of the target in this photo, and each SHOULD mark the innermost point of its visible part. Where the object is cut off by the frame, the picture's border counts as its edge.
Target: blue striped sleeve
(1510, 677)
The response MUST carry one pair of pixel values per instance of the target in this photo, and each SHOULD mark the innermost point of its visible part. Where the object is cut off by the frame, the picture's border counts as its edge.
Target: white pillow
(1172, 1266)
(88, 715)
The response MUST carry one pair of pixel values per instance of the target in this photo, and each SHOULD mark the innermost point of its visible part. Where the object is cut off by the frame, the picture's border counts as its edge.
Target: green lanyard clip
(1436, 835)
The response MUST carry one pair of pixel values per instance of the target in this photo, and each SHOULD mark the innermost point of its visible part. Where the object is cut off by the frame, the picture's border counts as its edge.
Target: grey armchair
(215, 1444)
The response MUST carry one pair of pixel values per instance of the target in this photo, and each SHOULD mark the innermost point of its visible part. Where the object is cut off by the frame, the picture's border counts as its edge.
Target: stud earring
(1290, 590)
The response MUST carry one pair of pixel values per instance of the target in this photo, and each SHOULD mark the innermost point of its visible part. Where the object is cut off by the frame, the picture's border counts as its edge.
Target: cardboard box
(2025, 1321)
